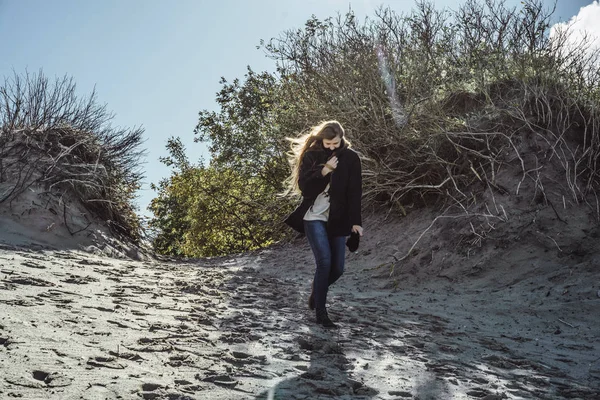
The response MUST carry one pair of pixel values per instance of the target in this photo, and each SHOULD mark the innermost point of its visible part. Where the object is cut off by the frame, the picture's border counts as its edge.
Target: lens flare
(398, 113)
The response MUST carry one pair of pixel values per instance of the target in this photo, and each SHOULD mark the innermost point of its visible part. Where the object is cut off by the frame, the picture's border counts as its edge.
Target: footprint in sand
(93, 262)
(7, 286)
(180, 360)
(151, 345)
(158, 391)
(54, 379)
(59, 298)
(28, 281)
(41, 379)
(21, 302)
(218, 379)
(32, 264)
(127, 356)
(79, 280)
(104, 362)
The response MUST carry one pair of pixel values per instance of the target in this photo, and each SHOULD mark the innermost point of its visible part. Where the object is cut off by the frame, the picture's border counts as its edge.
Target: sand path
(79, 326)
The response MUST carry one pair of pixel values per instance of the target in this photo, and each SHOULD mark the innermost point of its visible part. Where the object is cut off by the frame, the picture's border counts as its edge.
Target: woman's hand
(358, 229)
(330, 166)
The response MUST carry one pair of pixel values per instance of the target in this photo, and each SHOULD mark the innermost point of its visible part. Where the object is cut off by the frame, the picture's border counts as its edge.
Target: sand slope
(504, 307)
(75, 325)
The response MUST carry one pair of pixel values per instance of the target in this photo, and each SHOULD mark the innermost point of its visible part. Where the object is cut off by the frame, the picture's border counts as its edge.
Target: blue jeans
(329, 255)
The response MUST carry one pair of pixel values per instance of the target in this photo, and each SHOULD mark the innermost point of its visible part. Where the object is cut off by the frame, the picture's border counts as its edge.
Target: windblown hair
(310, 141)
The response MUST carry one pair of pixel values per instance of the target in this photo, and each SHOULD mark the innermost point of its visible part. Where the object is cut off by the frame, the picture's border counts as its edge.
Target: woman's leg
(316, 233)
(337, 244)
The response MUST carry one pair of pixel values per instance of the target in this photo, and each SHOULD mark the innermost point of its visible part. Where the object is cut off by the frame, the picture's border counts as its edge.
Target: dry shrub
(443, 103)
(49, 137)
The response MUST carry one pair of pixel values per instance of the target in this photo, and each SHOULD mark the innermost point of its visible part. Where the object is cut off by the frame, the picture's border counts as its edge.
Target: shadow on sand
(327, 376)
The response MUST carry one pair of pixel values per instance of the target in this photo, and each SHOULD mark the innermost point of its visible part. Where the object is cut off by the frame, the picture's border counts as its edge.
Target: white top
(319, 211)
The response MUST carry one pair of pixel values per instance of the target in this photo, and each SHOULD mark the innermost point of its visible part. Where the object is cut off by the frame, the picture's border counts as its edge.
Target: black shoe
(323, 319)
(311, 298)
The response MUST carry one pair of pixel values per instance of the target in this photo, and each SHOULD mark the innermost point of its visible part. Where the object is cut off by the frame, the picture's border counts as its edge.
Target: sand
(519, 322)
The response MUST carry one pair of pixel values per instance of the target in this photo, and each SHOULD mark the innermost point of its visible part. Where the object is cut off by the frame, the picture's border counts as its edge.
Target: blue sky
(157, 63)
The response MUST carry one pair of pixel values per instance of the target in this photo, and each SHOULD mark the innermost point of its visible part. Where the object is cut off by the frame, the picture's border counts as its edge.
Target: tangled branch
(49, 137)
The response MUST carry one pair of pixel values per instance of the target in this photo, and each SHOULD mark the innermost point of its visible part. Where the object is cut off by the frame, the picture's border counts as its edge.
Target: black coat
(345, 191)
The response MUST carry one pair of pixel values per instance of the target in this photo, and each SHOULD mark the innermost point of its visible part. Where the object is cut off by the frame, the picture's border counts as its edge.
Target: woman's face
(332, 144)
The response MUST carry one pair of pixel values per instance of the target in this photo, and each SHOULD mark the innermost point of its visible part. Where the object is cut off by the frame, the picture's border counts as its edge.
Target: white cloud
(587, 22)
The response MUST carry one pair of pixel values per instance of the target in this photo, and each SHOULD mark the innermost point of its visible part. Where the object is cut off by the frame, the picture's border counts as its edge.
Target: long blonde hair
(310, 141)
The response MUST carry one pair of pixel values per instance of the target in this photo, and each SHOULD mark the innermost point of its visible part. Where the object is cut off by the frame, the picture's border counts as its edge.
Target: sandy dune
(74, 325)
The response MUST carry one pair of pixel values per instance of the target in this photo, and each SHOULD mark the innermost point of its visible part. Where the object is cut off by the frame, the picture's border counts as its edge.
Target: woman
(327, 173)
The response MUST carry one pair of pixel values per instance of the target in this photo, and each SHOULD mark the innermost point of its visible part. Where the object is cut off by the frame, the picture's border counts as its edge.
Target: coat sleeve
(355, 192)
(310, 180)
